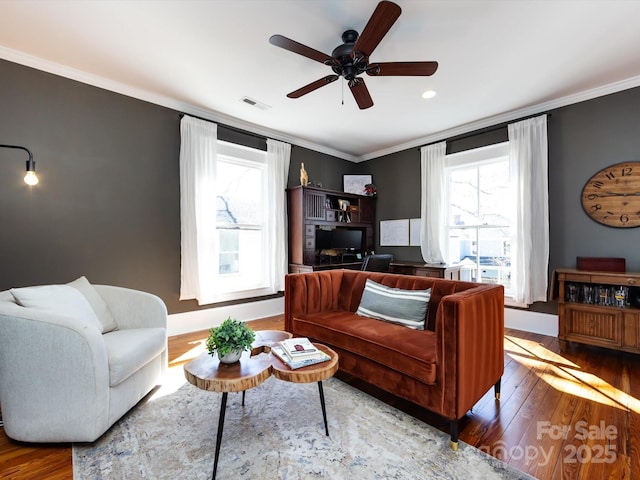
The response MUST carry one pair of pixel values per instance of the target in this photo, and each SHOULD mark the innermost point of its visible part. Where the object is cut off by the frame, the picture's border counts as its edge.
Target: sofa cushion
(411, 352)
(99, 306)
(404, 307)
(59, 299)
(129, 350)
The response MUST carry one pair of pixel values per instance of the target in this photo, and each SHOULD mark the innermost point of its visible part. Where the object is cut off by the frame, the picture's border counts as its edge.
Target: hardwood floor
(562, 415)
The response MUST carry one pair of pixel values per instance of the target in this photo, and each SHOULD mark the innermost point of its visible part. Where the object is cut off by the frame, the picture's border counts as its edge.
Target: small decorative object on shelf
(304, 176)
(370, 189)
(229, 340)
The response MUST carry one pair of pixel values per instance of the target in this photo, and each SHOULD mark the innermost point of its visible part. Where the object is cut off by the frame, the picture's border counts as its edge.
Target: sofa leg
(453, 429)
(496, 389)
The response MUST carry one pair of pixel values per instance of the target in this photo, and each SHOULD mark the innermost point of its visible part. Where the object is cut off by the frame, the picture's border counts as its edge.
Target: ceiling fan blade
(300, 49)
(384, 16)
(419, 69)
(361, 93)
(312, 86)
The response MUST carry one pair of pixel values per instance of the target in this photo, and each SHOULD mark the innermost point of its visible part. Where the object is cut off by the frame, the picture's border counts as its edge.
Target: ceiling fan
(351, 59)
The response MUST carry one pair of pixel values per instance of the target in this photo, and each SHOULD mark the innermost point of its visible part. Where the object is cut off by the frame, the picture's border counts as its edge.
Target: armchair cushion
(97, 303)
(59, 299)
(129, 350)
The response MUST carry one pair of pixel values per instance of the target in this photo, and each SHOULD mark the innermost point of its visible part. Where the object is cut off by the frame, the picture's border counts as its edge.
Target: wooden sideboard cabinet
(593, 308)
(311, 209)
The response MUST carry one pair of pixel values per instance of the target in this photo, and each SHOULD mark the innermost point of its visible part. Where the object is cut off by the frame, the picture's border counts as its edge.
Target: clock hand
(614, 194)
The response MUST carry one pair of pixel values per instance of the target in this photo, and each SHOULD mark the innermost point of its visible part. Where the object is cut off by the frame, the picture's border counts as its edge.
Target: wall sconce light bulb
(31, 178)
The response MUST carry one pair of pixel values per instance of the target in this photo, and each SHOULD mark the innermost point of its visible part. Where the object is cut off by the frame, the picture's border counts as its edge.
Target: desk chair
(377, 263)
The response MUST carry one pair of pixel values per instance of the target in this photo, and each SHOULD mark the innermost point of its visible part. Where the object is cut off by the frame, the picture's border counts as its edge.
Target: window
(241, 226)
(479, 216)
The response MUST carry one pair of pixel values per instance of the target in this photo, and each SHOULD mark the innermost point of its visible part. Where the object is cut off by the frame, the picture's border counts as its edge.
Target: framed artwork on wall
(355, 183)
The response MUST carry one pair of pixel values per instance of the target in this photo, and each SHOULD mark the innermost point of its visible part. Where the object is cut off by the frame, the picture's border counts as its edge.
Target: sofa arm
(54, 376)
(470, 345)
(134, 308)
(306, 293)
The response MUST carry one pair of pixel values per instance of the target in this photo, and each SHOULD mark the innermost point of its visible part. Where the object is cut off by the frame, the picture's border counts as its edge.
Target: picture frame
(355, 183)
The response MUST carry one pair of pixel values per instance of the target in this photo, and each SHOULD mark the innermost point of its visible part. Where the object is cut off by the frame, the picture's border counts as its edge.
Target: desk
(436, 270)
(419, 269)
(298, 268)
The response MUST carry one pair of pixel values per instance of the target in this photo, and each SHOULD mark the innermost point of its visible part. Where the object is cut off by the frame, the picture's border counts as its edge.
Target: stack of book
(299, 352)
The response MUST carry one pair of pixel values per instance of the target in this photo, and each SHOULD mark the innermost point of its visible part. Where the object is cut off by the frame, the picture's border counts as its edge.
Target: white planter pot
(231, 357)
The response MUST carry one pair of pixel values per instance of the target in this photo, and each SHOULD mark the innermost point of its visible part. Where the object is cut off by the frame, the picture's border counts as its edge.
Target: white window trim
(241, 155)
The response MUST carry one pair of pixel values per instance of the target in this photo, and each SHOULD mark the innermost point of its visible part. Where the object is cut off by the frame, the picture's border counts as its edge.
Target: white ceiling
(499, 60)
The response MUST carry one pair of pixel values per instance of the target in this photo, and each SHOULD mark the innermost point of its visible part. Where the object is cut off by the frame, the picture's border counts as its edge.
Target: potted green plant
(229, 340)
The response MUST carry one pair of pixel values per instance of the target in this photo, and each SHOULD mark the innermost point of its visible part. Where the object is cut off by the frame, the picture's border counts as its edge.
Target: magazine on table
(280, 352)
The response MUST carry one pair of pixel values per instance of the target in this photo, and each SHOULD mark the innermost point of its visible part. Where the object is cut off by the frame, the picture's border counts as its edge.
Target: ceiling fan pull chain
(343, 90)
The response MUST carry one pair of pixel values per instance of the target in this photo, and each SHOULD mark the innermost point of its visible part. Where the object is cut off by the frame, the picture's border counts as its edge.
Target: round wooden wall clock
(612, 196)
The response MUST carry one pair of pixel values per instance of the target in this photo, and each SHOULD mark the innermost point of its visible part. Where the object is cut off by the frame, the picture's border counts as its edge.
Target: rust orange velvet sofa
(445, 368)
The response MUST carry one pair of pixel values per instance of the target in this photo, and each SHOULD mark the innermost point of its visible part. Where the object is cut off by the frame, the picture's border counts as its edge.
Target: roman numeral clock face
(612, 196)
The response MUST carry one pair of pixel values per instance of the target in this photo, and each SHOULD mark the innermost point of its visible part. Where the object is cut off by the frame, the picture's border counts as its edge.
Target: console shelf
(593, 308)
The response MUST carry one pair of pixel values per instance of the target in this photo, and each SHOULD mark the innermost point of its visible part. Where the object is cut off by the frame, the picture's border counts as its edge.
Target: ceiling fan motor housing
(342, 63)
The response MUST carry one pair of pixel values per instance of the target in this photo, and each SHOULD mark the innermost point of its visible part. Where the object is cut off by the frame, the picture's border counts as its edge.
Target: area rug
(279, 434)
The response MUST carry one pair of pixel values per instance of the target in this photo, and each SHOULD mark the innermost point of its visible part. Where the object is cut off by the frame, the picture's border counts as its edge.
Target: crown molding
(507, 117)
(163, 101)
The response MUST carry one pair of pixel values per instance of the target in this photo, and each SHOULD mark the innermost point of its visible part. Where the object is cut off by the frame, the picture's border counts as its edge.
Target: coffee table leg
(223, 408)
(324, 408)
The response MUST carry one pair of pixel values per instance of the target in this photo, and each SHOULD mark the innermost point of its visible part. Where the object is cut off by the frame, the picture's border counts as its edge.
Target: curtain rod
(482, 131)
(228, 127)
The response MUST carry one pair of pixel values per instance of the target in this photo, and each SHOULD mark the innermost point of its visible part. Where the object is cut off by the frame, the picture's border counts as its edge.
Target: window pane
(484, 253)
(494, 245)
(463, 196)
(493, 193)
(241, 267)
(229, 246)
(239, 194)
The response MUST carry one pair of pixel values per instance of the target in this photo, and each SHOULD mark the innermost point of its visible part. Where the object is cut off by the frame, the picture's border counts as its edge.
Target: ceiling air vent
(255, 103)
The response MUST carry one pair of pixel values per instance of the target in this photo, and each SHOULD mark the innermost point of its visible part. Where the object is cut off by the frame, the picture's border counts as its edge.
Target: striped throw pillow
(404, 307)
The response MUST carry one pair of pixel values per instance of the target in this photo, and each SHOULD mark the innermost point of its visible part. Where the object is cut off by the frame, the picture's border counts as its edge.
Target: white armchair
(61, 378)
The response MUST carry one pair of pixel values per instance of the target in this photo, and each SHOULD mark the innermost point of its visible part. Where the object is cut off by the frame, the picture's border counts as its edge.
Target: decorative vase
(231, 357)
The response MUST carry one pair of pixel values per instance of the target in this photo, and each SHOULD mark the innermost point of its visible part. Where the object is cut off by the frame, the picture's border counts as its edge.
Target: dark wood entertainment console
(312, 208)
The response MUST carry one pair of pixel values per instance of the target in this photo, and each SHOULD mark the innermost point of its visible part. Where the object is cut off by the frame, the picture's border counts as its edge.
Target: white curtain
(278, 158)
(198, 151)
(433, 208)
(528, 163)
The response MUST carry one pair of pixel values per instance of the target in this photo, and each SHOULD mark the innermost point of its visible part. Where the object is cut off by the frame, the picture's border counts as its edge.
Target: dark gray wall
(108, 203)
(323, 170)
(583, 138)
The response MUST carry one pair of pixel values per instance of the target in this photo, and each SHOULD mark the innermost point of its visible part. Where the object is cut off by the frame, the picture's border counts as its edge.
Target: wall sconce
(30, 178)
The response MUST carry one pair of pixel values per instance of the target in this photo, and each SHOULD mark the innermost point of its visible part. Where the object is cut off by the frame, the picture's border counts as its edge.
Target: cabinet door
(631, 333)
(314, 208)
(592, 325)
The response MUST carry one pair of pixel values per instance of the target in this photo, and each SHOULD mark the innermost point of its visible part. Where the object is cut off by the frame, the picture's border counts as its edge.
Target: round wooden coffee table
(313, 373)
(206, 372)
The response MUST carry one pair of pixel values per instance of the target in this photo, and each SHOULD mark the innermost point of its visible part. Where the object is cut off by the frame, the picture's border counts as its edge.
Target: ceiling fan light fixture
(429, 94)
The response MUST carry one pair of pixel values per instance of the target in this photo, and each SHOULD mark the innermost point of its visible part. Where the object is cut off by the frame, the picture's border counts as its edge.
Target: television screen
(324, 239)
(340, 238)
